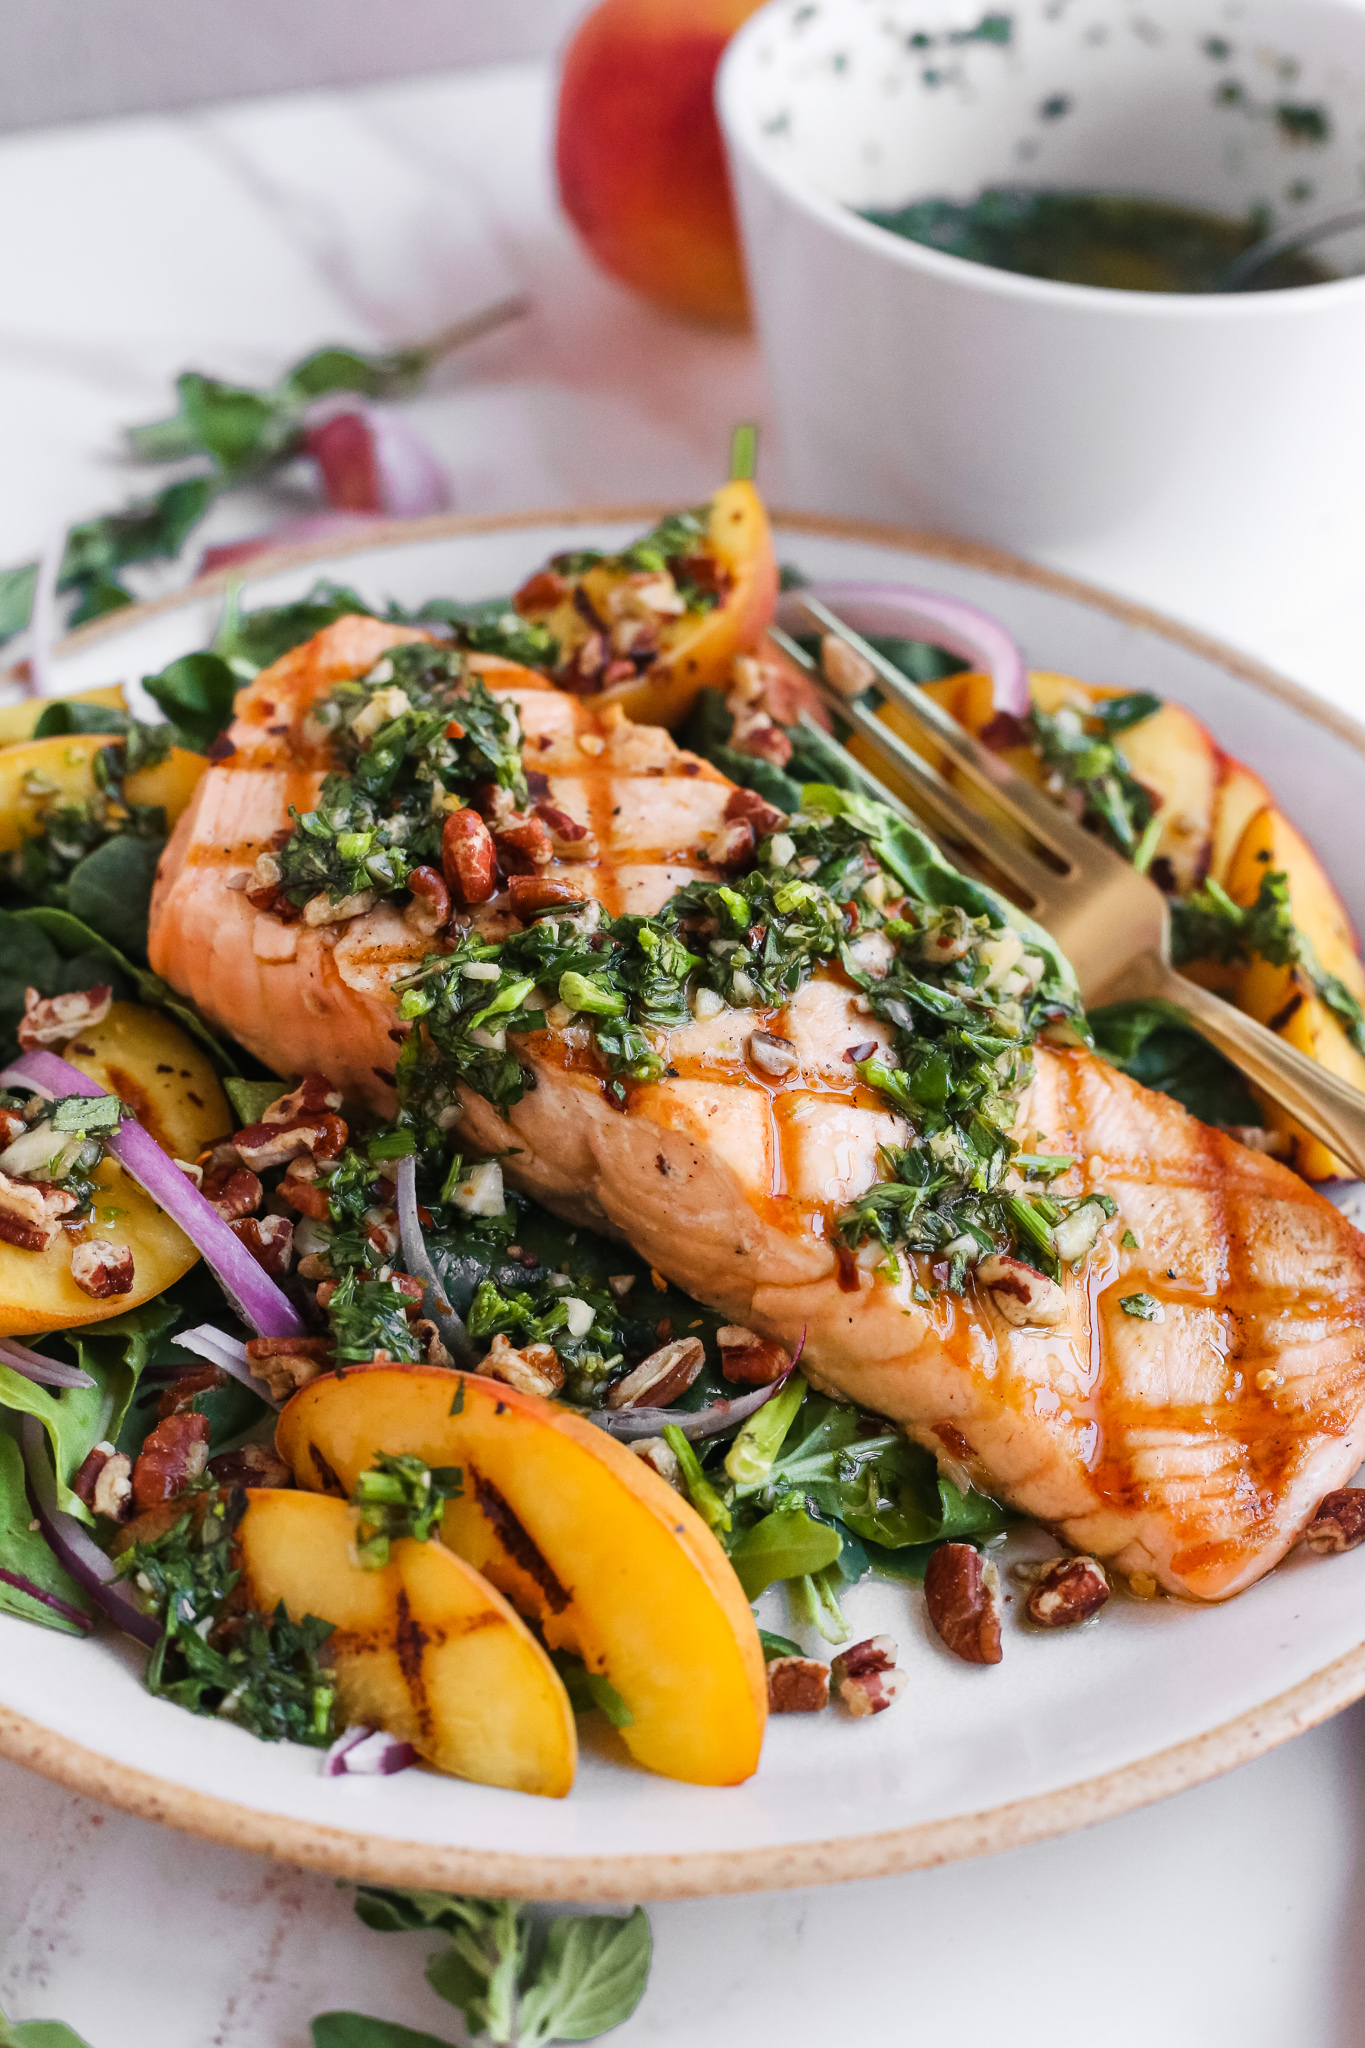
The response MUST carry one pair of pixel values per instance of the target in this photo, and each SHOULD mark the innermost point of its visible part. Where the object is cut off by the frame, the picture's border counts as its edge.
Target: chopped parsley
(263, 1674)
(400, 1496)
(679, 546)
(1210, 926)
(1145, 1307)
(1080, 752)
(410, 739)
(964, 993)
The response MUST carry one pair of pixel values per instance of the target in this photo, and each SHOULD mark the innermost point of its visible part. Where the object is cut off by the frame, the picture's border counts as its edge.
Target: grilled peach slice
(579, 1534)
(170, 1085)
(423, 1648)
(1282, 997)
(60, 770)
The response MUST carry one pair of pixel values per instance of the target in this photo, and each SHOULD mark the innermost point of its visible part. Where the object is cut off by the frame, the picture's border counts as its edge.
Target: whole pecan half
(661, 1377)
(962, 1592)
(469, 860)
(746, 1359)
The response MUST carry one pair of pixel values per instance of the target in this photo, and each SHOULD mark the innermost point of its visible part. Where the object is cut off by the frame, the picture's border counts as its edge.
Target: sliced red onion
(45, 1372)
(367, 1753)
(371, 461)
(631, 1423)
(58, 1606)
(321, 526)
(947, 622)
(250, 1290)
(73, 1545)
(417, 1259)
(227, 1353)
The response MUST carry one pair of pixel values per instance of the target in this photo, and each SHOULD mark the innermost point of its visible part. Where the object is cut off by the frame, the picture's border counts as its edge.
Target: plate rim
(352, 1853)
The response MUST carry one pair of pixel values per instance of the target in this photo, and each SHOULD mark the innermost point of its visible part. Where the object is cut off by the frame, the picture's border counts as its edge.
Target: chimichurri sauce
(1111, 240)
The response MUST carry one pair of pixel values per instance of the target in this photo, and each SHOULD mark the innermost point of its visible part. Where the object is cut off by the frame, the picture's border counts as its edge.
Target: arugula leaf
(358, 2030)
(1151, 1042)
(196, 694)
(590, 1978)
(78, 1418)
(16, 599)
(24, 1554)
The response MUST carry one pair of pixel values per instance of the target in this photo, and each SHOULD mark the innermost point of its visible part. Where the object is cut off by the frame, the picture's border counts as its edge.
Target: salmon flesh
(1191, 1442)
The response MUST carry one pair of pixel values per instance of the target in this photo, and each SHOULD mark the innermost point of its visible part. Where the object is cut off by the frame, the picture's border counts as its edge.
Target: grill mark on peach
(518, 1542)
(330, 1481)
(410, 1641)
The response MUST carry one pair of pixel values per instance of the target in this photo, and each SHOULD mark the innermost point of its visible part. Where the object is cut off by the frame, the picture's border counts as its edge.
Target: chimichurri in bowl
(1114, 240)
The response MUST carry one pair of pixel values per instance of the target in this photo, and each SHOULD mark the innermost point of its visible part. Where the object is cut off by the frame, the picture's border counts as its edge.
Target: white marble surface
(232, 241)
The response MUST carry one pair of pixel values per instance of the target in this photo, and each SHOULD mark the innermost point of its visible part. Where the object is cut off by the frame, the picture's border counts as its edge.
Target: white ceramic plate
(1067, 1730)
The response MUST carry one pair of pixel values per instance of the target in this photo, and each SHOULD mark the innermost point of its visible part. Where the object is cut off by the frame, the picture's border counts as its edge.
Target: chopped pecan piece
(746, 1359)
(267, 1144)
(754, 733)
(523, 844)
(866, 1676)
(755, 811)
(541, 593)
(569, 839)
(732, 849)
(1339, 1523)
(469, 860)
(660, 1457)
(962, 1593)
(1068, 1590)
(176, 1452)
(772, 1055)
(232, 1189)
(101, 1269)
(314, 1096)
(269, 1239)
(11, 1124)
(1022, 1294)
(104, 1482)
(661, 1377)
(302, 1192)
(799, 1685)
(252, 1465)
(200, 1379)
(48, 1020)
(534, 1369)
(29, 1212)
(283, 1370)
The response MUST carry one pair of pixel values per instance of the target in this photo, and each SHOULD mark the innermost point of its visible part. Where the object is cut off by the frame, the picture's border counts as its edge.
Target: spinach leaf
(196, 694)
(787, 1544)
(26, 1560)
(358, 2030)
(65, 715)
(251, 641)
(111, 890)
(1151, 1042)
(590, 1977)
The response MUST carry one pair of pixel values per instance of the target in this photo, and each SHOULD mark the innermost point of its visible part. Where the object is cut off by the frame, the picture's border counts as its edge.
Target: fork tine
(1059, 835)
(950, 817)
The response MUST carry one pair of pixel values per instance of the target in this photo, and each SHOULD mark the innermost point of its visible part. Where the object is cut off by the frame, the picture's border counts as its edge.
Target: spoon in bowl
(1242, 270)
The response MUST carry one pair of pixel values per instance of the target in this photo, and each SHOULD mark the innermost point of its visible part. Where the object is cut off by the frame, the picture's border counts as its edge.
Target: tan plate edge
(347, 1854)
(438, 1867)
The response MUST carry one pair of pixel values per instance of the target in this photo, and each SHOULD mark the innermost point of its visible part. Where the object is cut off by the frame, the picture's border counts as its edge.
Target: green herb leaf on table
(16, 599)
(590, 1977)
(359, 2030)
(38, 2034)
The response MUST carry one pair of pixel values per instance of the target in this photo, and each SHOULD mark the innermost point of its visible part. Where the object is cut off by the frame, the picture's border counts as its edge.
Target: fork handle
(1330, 1108)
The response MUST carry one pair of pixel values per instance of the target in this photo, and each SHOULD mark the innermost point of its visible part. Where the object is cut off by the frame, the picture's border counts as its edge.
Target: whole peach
(641, 164)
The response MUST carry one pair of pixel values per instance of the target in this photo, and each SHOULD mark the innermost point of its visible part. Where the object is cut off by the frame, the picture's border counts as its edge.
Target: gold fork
(1111, 922)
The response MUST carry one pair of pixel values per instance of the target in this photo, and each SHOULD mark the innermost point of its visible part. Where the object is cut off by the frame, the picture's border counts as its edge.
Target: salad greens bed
(810, 1493)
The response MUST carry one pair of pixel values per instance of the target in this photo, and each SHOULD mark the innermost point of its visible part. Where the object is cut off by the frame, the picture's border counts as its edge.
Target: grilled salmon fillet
(1190, 1440)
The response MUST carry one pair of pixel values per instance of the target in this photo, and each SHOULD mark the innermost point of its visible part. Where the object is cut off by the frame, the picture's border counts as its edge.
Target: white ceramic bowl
(917, 386)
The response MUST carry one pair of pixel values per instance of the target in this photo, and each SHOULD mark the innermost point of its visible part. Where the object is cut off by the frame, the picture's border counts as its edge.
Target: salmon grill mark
(330, 1482)
(410, 1640)
(518, 1543)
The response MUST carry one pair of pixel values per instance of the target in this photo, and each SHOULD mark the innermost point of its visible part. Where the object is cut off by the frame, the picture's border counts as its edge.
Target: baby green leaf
(196, 694)
(591, 1977)
(353, 2030)
(787, 1544)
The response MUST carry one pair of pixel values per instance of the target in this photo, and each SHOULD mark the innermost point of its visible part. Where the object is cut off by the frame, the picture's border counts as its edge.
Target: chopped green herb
(397, 1496)
(1144, 1306)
